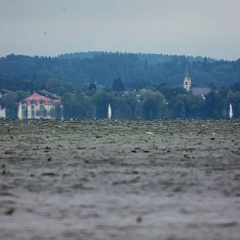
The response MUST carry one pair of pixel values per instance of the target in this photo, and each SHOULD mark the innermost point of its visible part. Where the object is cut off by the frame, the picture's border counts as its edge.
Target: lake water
(131, 180)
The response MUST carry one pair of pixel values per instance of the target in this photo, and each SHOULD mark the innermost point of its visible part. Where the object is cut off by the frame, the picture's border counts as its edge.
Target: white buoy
(109, 112)
(230, 111)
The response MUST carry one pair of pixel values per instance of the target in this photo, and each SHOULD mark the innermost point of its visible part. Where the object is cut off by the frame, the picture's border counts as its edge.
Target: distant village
(162, 102)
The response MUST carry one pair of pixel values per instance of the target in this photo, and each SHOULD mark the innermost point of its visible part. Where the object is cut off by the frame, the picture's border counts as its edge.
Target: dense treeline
(152, 58)
(135, 70)
(162, 101)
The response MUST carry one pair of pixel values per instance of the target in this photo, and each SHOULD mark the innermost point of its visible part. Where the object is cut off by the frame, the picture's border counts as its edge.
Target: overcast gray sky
(191, 27)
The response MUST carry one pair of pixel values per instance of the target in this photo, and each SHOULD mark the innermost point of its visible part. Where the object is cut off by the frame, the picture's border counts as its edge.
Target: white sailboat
(109, 112)
(230, 111)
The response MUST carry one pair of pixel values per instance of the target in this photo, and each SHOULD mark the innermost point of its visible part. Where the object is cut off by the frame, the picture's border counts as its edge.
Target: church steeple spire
(187, 80)
(187, 75)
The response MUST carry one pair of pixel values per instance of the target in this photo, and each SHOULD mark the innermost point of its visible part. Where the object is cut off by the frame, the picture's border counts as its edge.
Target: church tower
(187, 80)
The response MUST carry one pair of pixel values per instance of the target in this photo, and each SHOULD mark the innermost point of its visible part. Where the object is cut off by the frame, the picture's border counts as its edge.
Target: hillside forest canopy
(136, 85)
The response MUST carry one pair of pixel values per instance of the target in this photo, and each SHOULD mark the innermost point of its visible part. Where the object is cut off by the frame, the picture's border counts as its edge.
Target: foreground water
(163, 179)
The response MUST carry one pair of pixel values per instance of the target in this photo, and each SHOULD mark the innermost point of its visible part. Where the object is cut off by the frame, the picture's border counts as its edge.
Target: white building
(36, 106)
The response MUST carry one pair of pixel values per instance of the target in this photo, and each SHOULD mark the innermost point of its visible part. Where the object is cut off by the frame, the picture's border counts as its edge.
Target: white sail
(109, 112)
(230, 111)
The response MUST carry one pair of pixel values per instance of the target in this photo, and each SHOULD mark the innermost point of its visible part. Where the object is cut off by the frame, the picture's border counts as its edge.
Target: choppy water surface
(164, 179)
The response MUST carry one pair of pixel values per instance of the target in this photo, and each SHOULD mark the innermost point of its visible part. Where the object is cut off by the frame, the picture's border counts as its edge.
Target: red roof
(37, 98)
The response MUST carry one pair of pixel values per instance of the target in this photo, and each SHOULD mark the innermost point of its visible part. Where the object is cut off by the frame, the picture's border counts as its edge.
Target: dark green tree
(101, 100)
(58, 111)
(54, 85)
(68, 87)
(8, 101)
(92, 86)
(154, 106)
(235, 87)
(177, 108)
(68, 101)
(212, 86)
(21, 95)
(117, 85)
(28, 86)
(214, 105)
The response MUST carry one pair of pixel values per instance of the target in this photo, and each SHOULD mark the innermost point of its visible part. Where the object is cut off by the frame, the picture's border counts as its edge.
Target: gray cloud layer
(192, 27)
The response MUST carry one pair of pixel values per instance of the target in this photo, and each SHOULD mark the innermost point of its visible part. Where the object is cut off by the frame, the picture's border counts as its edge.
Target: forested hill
(152, 58)
(134, 69)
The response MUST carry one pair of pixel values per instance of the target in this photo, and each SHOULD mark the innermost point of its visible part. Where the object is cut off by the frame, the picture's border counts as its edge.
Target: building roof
(37, 98)
(48, 94)
(200, 91)
(3, 90)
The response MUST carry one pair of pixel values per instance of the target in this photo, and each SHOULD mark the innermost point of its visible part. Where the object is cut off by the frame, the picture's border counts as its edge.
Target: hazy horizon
(177, 27)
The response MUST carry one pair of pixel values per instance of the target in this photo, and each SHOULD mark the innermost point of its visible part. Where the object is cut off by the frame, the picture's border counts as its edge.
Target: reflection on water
(162, 179)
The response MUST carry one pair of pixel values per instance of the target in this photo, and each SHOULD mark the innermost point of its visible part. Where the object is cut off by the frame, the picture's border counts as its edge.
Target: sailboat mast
(230, 111)
(109, 112)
